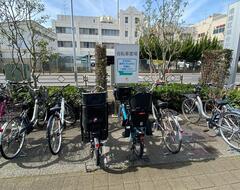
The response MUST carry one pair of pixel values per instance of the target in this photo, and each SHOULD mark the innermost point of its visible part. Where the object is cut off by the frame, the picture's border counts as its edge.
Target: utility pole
(74, 47)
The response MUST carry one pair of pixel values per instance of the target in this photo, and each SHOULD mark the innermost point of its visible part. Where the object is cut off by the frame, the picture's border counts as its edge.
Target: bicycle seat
(161, 104)
(190, 95)
(221, 102)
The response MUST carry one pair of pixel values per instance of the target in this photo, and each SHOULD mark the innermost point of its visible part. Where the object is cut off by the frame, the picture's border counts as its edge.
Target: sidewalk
(203, 162)
(222, 173)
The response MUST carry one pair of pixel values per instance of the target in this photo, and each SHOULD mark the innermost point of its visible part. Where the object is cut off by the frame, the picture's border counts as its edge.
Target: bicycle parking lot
(36, 158)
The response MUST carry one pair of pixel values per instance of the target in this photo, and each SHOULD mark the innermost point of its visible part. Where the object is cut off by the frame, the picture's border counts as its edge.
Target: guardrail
(88, 79)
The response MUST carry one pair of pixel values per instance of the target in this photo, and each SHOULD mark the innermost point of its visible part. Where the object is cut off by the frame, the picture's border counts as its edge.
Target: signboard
(232, 38)
(126, 63)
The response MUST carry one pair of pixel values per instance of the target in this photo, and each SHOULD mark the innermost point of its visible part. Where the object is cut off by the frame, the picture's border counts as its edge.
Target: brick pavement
(222, 173)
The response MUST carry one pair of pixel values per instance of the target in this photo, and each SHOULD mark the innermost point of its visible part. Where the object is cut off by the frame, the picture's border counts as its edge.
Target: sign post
(126, 63)
(232, 38)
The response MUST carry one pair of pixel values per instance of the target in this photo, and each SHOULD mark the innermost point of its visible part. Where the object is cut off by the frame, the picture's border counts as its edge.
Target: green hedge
(234, 98)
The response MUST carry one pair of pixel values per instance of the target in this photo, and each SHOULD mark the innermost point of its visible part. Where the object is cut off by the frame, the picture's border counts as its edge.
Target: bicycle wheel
(209, 106)
(69, 115)
(190, 110)
(171, 133)
(54, 134)
(229, 129)
(12, 139)
(97, 156)
(138, 148)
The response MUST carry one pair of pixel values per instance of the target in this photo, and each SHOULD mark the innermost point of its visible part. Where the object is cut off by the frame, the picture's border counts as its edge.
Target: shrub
(234, 98)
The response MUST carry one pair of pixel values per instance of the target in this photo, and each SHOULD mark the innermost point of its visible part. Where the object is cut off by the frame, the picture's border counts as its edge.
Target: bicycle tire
(209, 106)
(139, 149)
(50, 129)
(97, 156)
(69, 115)
(13, 122)
(229, 123)
(190, 110)
(171, 133)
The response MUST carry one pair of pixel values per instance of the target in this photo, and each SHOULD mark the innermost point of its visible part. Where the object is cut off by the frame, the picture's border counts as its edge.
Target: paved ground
(222, 173)
(204, 162)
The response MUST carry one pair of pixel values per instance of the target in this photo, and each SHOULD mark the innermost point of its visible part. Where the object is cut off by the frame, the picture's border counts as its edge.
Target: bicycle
(192, 107)
(122, 94)
(166, 122)
(56, 122)
(134, 110)
(94, 121)
(13, 132)
(224, 119)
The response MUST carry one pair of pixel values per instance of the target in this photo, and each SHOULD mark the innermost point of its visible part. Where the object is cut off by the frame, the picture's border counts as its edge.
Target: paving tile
(191, 183)
(131, 186)
(8, 184)
(156, 174)
(147, 185)
(142, 176)
(22, 183)
(225, 187)
(177, 184)
(235, 186)
(100, 180)
(115, 179)
(71, 183)
(236, 173)
(162, 184)
(230, 178)
(116, 187)
(217, 178)
(129, 177)
(101, 188)
(204, 181)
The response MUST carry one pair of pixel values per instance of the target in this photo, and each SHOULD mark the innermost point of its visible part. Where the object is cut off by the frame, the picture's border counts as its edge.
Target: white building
(213, 26)
(92, 30)
(7, 52)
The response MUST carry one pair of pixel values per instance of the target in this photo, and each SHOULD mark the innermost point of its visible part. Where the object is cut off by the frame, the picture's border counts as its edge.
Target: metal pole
(74, 47)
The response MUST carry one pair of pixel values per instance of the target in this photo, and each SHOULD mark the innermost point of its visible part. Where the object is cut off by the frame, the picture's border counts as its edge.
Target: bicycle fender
(3, 127)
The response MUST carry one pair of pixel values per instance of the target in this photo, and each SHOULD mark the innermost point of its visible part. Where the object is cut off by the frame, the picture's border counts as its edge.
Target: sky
(195, 11)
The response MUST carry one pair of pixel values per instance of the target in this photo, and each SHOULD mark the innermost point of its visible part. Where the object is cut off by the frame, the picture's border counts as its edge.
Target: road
(60, 79)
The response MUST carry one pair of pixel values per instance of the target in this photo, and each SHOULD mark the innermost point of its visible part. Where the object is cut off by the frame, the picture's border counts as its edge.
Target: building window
(88, 31)
(126, 33)
(201, 35)
(219, 29)
(87, 44)
(137, 20)
(126, 20)
(64, 30)
(136, 34)
(108, 45)
(110, 32)
(66, 44)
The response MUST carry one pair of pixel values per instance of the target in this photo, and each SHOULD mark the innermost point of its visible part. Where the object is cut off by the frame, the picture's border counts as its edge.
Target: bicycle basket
(140, 106)
(122, 93)
(94, 114)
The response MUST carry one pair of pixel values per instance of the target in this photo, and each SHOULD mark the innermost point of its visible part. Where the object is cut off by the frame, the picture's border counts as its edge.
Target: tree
(20, 26)
(164, 21)
(101, 64)
(215, 66)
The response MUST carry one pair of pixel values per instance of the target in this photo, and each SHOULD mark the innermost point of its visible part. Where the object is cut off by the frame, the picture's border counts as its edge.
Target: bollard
(181, 78)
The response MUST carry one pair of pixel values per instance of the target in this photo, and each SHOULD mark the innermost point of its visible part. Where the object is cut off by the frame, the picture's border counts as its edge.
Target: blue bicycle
(134, 110)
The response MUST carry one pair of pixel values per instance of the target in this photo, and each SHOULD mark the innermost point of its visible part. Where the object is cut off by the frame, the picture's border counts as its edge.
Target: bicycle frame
(62, 110)
(122, 109)
(199, 105)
